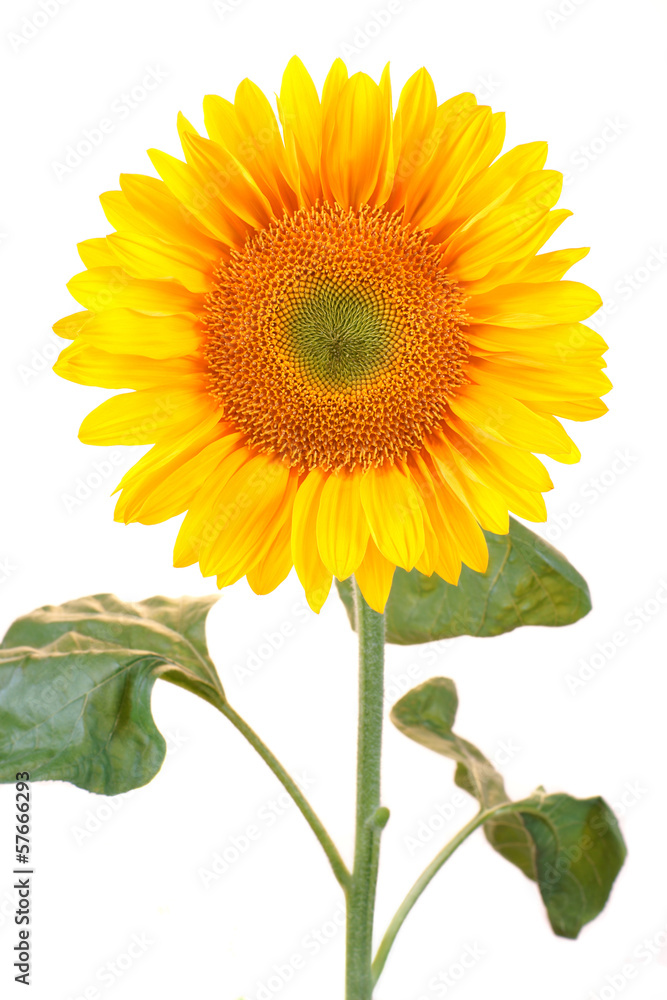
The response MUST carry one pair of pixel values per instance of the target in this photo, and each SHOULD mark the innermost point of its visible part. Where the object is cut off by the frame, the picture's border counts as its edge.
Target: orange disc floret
(335, 338)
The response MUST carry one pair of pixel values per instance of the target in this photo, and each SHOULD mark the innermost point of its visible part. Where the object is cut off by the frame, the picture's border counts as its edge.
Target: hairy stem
(370, 817)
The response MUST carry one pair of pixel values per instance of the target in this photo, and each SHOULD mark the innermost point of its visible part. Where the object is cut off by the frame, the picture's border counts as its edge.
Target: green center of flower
(340, 337)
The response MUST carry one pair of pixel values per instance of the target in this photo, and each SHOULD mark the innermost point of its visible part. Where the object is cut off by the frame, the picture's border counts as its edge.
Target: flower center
(335, 338)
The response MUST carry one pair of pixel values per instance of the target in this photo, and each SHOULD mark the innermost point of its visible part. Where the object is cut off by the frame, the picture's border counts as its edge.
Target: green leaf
(527, 583)
(571, 847)
(76, 683)
(579, 851)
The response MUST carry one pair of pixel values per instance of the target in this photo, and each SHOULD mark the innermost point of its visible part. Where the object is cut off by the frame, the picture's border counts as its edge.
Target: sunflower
(343, 344)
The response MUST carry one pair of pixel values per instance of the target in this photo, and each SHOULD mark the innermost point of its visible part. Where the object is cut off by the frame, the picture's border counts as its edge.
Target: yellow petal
(274, 567)
(200, 194)
(244, 514)
(200, 524)
(374, 576)
(313, 574)
(394, 511)
(97, 253)
(125, 331)
(103, 287)
(539, 304)
(588, 409)
(164, 216)
(262, 131)
(504, 419)
(413, 127)
(147, 415)
(301, 116)
(174, 493)
(342, 528)
(489, 187)
(69, 326)
(148, 257)
(562, 342)
(463, 151)
(87, 365)
(357, 144)
(333, 85)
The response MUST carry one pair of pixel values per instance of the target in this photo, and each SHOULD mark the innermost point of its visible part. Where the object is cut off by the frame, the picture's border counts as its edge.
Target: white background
(561, 77)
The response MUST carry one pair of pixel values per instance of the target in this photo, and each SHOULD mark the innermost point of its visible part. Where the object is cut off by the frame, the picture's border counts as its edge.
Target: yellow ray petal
(529, 383)
(539, 304)
(125, 331)
(463, 151)
(374, 576)
(175, 491)
(245, 512)
(275, 566)
(342, 528)
(232, 189)
(504, 419)
(200, 194)
(103, 287)
(355, 150)
(301, 117)
(148, 257)
(69, 326)
(164, 216)
(262, 132)
(561, 342)
(413, 128)
(200, 524)
(87, 365)
(313, 574)
(97, 253)
(148, 415)
(491, 186)
(586, 409)
(394, 511)
(333, 85)
(448, 562)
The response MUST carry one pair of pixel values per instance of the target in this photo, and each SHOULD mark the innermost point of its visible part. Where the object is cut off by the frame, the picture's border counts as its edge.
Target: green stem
(370, 817)
(289, 784)
(415, 892)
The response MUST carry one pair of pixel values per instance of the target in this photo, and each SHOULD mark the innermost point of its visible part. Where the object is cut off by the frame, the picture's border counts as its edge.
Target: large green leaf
(571, 847)
(527, 583)
(76, 683)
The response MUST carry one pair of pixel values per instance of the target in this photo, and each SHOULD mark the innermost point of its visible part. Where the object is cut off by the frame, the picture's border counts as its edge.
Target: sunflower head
(343, 344)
